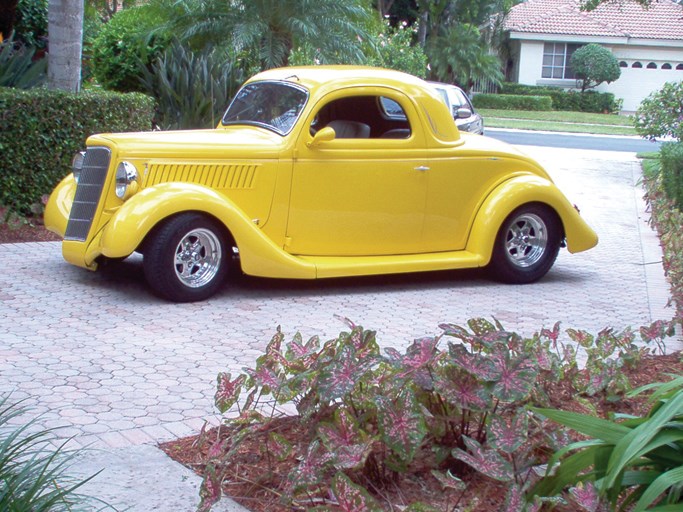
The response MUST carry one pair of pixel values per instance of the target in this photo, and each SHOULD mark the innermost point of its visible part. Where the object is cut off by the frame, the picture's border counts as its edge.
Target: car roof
(323, 79)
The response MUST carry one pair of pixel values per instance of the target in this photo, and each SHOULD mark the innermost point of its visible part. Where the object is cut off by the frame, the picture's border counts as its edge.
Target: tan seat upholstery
(349, 129)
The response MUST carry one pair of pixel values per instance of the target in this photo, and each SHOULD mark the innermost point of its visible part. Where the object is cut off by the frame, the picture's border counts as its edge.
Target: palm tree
(65, 41)
(268, 30)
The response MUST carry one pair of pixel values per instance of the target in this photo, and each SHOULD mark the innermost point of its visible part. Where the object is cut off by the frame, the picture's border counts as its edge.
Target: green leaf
(659, 486)
(631, 446)
(588, 425)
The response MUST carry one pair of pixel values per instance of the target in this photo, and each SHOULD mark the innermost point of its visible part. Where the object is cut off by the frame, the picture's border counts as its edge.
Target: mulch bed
(256, 482)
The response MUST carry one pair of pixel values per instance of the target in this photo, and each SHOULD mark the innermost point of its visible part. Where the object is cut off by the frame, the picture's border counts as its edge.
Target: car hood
(234, 142)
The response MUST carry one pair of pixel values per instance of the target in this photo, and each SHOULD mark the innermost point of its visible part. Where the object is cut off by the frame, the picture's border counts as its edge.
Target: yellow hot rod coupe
(314, 172)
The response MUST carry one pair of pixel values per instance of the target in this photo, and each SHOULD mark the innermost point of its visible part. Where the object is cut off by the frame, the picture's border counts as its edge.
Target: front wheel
(527, 244)
(186, 259)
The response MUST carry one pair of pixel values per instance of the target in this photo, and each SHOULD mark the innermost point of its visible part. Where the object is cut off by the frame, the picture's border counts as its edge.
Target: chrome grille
(218, 176)
(88, 192)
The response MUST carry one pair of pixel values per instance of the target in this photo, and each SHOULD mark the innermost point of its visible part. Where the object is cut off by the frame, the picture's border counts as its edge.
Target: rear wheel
(527, 244)
(186, 258)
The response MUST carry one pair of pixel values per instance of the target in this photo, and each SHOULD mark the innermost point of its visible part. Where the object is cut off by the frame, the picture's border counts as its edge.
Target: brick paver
(99, 355)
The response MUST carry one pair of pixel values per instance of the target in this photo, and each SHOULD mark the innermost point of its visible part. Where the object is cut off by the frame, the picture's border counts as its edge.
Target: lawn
(556, 121)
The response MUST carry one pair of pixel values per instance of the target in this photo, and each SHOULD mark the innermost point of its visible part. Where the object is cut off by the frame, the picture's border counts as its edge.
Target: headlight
(77, 164)
(126, 180)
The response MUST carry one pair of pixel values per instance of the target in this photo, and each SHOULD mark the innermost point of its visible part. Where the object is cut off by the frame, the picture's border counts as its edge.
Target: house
(647, 42)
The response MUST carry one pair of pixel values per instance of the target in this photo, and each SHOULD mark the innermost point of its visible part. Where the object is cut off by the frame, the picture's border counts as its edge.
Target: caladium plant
(371, 417)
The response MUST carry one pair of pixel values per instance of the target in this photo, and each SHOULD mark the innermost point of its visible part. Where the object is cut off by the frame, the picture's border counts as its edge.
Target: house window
(636, 65)
(666, 65)
(652, 65)
(556, 60)
(679, 67)
(623, 64)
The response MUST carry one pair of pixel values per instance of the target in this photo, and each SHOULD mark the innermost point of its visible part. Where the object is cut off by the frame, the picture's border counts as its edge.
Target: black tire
(527, 244)
(186, 258)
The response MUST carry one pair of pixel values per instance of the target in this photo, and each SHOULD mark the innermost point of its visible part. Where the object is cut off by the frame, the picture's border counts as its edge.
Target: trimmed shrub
(671, 158)
(41, 130)
(661, 113)
(123, 45)
(590, 101)
(512, 102)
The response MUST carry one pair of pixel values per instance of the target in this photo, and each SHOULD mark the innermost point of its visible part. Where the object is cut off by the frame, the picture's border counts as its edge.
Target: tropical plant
(370, 418)
(661, 113)
(192, 89)
(265, 32)
(33, 476)
(457, 55)
(594, 64)
(17, 67)
(630, 464)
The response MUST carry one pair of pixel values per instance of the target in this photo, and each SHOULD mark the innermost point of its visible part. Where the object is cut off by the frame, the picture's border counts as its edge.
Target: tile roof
(613, 18)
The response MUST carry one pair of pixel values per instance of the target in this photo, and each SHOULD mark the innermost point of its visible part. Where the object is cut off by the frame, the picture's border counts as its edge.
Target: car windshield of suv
(272, 105)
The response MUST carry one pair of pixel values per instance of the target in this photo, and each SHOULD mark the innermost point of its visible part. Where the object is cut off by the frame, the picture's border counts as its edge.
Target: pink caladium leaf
(462, 389)
(217, 449)
(338, 377)
(583, 338)
(585, 496)
(457, 332)
(300, 355)
(401, 424)
(343, 432)
(279, 446)
(552, 334)
(508, 436)
(487, 462)
(311, 470)
(449, 481)
(480, 366)
(351, 497)
(514, 499)
(418, 362)
(516, 378)
(266, 377)
(210, 490)
(227, 391)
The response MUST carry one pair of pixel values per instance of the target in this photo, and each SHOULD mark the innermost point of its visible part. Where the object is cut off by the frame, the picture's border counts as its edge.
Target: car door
(359, 196)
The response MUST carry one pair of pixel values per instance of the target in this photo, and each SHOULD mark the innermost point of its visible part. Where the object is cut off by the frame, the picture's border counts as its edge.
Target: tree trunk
(65, 41)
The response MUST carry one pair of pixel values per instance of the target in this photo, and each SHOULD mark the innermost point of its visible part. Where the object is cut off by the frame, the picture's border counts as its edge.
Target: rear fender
(137, 217)
(516, 192)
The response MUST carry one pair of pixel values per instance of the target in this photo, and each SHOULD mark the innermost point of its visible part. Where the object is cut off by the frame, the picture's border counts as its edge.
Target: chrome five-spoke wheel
(185, 258)
(527, 244)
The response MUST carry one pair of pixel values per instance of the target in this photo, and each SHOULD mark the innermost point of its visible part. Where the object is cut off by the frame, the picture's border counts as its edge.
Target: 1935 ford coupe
(314, 172)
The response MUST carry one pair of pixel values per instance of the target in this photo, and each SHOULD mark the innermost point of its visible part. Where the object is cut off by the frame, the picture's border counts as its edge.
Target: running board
(340, 266)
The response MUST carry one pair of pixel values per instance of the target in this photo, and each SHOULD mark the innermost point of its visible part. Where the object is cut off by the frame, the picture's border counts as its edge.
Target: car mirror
(323, 135)
(463, 113)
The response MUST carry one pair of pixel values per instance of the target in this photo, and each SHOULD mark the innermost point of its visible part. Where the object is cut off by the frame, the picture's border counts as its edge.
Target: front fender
(135, 219)
(58, 206)
(516, 192)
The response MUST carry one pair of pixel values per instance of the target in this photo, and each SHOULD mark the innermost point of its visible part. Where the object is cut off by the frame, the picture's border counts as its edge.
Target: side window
(363, 117)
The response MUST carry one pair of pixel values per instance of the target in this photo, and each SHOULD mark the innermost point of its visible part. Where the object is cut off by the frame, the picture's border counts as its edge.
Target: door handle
(422, 168)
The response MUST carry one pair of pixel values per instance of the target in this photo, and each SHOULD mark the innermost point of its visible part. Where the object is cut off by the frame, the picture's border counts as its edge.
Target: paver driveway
(98, 354)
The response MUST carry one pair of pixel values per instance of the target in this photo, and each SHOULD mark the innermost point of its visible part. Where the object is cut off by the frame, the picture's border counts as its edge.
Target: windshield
(273, 105)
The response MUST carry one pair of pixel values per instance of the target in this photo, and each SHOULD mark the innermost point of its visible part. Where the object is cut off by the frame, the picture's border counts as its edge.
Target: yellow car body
(301, 198)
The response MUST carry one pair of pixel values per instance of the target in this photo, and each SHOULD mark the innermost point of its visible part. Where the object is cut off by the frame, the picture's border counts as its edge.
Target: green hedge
(671, 158)
(589, 101)
(41, 130)
(512, 102)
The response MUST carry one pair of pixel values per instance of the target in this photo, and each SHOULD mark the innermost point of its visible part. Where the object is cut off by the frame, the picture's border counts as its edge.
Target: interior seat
(349, 129)
(396, 133)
